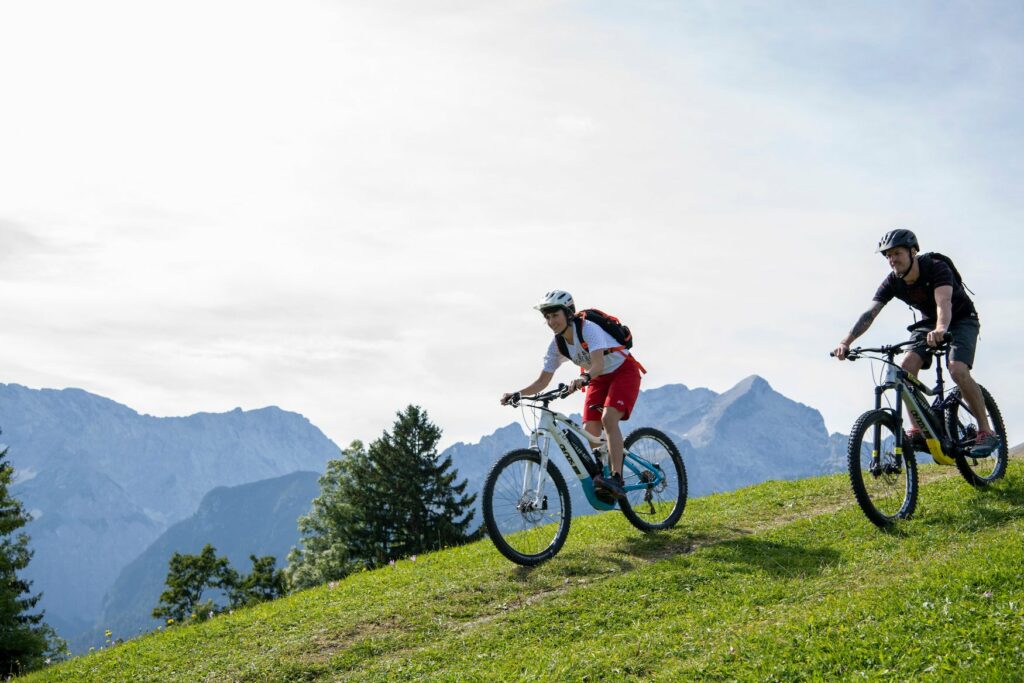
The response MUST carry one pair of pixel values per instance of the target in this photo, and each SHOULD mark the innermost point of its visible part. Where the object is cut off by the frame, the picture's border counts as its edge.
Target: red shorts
(616, 390)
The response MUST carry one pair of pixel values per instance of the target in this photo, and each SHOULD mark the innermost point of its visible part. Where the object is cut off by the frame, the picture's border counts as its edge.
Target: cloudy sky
(341, 208)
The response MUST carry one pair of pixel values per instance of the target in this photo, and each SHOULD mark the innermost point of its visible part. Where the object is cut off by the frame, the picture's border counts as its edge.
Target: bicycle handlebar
(893, 349)
(561, 391)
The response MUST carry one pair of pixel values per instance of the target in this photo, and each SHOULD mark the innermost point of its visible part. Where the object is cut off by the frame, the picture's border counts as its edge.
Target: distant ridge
(259, 519)
(103, 481)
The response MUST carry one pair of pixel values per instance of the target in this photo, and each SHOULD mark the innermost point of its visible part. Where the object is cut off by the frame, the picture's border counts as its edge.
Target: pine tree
(392, 500)
(426, 509)
(26, 643)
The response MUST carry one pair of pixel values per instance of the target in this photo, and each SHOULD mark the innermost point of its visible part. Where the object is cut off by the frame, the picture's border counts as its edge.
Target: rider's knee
(610, 417)
(912, 363)
(960, 372)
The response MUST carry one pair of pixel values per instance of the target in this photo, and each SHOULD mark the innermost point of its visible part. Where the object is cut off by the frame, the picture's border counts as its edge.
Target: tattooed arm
(859, 328)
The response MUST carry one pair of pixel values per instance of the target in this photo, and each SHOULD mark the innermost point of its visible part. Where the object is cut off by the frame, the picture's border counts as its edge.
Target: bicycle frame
(910, 391)
(573, 441)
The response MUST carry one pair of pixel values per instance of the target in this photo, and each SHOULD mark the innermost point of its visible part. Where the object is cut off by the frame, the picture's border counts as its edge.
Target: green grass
(785, 581)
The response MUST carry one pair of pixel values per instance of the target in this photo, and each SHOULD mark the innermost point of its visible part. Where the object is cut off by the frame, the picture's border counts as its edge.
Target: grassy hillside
(782, 581)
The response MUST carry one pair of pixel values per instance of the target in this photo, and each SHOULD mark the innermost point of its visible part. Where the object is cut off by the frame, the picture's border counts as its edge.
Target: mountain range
(103, 482)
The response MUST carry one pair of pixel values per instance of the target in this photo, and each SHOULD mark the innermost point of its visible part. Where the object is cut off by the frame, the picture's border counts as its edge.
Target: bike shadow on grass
(989, 507)
(740, 550)
(753, 555)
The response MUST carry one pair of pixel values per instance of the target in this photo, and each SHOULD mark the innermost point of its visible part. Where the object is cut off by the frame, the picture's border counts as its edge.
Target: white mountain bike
(526, 502)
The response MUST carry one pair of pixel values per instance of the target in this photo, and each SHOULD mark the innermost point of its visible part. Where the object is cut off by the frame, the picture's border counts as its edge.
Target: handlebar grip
(947, 337)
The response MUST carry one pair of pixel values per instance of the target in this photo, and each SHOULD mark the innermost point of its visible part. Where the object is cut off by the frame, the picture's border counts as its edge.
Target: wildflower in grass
(391, 563)
(108, 633)
(209, 615)
(987, 594)
(47, 661)
(413, 558)
(170, 622)
(332, 584)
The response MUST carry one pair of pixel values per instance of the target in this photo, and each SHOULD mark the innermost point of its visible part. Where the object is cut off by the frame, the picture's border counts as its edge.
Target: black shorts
(965, 341)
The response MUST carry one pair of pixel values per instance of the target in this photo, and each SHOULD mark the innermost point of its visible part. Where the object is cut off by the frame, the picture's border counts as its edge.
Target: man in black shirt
(928, 284)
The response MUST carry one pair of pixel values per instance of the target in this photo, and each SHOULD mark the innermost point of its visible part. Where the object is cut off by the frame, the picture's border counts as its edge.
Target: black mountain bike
(883, 469)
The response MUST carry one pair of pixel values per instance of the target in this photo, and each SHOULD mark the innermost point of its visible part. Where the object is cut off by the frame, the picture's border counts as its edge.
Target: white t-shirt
(597, 340)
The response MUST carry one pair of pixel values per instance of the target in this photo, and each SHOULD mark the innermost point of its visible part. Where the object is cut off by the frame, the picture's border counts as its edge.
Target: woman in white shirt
(609, 372)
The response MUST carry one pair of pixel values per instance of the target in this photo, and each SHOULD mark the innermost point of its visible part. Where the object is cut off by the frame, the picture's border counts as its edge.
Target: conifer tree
(26, 642)
(389, 501)
(426, 509)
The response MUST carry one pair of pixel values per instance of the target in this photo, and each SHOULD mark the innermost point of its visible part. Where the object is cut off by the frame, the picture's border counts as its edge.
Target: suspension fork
(535, 443)
(898, 436)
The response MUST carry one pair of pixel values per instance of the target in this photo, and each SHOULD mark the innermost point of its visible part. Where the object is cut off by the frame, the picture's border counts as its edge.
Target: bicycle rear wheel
(527, 515)
(658, 504)
(884, 482)
(963, 428)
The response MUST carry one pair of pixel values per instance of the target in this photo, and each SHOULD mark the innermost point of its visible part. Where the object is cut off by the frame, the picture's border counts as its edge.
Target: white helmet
(557, 298)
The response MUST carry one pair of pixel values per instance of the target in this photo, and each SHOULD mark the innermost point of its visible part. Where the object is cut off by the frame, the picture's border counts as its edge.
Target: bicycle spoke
(526, 525)
(655, 480)
(963, 427)
(884, 481)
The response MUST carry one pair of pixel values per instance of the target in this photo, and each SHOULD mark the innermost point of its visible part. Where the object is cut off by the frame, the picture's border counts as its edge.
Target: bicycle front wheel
(655, 480)
(963, 428)
(884, 482)
(526, 509)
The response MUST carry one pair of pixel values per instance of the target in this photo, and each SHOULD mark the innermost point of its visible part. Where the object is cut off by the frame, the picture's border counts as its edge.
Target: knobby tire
(979, 472)
(868, 488)
(648, 509)
(524, 537)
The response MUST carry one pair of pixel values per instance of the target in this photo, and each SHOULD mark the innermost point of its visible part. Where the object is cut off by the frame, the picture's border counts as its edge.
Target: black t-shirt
(921, 294)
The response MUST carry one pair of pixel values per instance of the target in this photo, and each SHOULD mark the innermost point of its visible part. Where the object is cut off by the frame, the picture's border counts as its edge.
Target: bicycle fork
(877, 467)
(534, 500)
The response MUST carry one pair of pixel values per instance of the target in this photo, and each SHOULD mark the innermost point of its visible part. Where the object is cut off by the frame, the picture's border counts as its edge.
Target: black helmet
(897, 238)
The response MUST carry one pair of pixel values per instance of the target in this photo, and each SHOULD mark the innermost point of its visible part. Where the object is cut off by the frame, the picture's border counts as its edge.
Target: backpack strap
(578, 324)
(563, 346)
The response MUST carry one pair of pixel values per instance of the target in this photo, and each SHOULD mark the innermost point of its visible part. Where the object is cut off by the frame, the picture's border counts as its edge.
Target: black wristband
(587, 376)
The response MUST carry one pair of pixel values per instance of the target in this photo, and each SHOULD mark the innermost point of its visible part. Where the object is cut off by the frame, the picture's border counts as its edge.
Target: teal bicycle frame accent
(552, 428)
